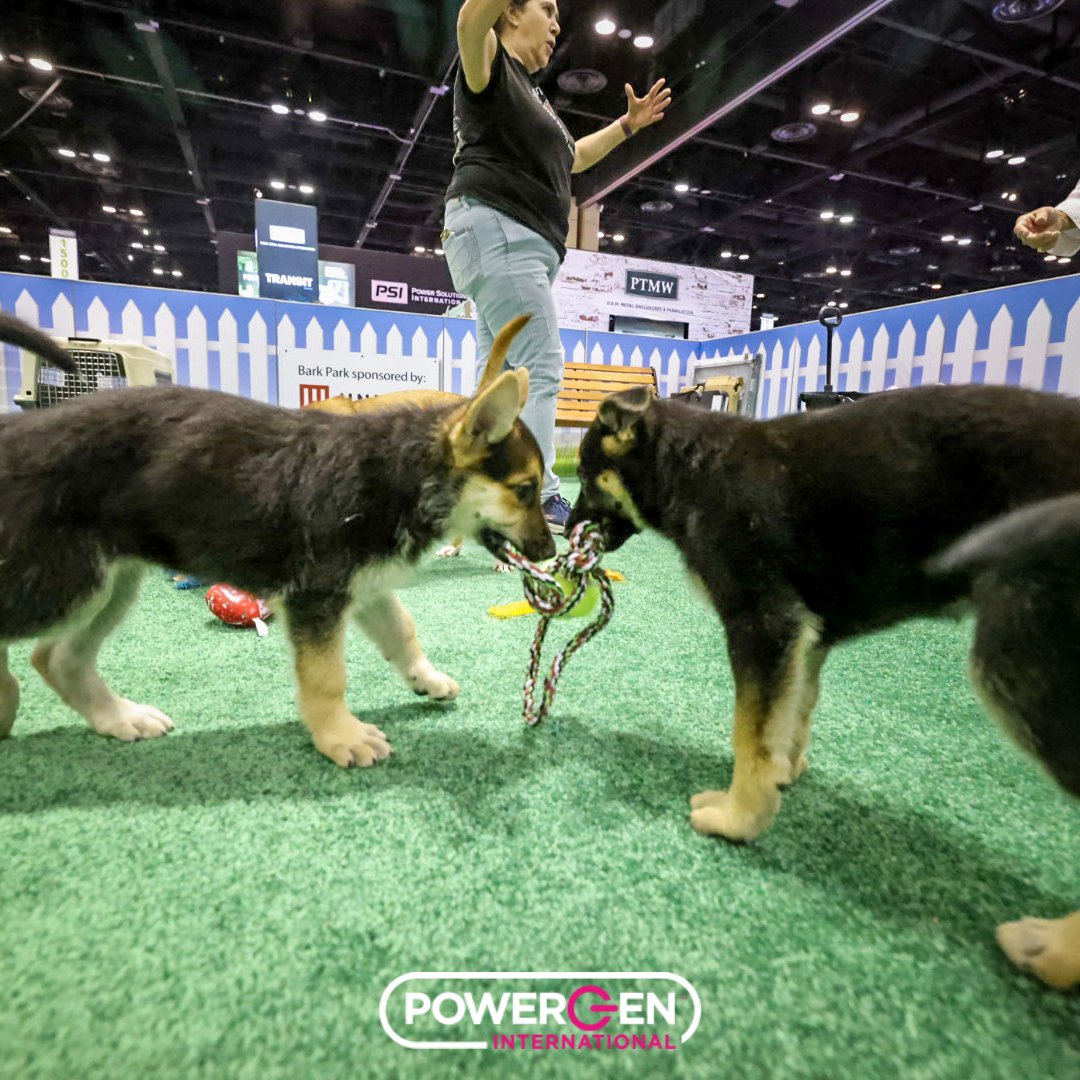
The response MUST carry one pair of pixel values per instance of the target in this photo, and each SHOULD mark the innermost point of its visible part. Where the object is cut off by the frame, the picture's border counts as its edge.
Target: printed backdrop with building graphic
(593, 286)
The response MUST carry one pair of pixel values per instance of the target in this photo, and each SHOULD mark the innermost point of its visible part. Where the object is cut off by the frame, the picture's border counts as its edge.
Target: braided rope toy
(557, 591)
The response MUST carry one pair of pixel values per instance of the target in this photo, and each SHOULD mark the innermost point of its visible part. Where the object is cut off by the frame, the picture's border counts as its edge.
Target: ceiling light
(158, 271)
(134, 211)
(306, 189)
(760, 295)
(65, 152)
(821, 108)
(278, 185)
(146, 232)
(935, 285)
(843, 303)
(826, 215)
(1065, 259)
(682, 188)
(281, 110)
(41, 65)
(947, 238)
(964, 241)
(845, 273)
(178, 273)
(846, 219)
(420, 250)
(318, 116)
(109, 209)
(131, 258)
(137, 244)
(830, 269)
(618, 237)
(439, 251)
(100, 155)
(743, 257)
(159, 247)
(24, 258)
(605, 27)
(1017, 159)
(1018, 11)
(644, 41)
(850, 116)
(725, 254)
(1050, 258)
(45, 259)
(625, 34)
(5, 229)
(992, 154)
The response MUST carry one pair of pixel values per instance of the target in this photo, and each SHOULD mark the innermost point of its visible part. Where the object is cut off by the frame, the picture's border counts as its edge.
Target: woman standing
(508, 204)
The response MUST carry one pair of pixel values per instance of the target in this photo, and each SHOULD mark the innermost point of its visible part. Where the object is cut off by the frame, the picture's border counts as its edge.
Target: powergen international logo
(623, 1011)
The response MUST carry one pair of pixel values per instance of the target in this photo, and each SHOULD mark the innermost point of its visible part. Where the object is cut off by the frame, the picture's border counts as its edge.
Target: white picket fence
(1027, 335)
(232, 343)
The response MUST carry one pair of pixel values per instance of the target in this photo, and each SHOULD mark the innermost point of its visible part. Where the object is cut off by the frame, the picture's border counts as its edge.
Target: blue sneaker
(556, 513)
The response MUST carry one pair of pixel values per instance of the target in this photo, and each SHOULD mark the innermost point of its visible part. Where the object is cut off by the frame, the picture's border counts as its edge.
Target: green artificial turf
(224, 902)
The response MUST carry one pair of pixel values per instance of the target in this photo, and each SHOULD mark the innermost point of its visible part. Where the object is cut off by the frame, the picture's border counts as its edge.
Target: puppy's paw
(717, 813)
(426, 681)
(1047, 948)
(351, 744)
(129, 721)
(502, 568)
(448, 551)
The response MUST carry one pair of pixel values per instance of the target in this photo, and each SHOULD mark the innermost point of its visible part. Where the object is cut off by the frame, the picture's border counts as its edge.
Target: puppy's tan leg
(767, 730)
(815, 658)
(67, 661)
(320, 677)
(1048, 948)
(9, 695)
(385, 621)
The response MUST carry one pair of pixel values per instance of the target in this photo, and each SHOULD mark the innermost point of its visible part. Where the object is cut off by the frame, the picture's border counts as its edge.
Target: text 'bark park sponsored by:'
(624, 1011)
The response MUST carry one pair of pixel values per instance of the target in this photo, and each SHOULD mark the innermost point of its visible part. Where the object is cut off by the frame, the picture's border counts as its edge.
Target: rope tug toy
(561, 590)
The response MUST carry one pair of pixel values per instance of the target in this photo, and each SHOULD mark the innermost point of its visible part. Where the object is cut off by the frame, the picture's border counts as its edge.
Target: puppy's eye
(525, 493)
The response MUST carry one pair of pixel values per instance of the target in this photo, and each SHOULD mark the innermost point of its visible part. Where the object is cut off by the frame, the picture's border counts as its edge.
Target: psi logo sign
(540, 1010)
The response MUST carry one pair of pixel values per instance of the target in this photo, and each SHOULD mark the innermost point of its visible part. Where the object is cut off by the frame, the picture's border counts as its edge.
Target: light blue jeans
(507, 270)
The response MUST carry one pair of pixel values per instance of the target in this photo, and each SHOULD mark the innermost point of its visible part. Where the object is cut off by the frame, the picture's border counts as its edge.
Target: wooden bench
(586, 385)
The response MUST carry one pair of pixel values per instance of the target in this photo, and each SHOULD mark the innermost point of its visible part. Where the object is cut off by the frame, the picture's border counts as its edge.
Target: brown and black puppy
(324, 512)
(815, 528)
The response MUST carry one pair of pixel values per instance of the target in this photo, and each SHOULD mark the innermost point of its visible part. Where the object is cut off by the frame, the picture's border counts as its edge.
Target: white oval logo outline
(412, 976)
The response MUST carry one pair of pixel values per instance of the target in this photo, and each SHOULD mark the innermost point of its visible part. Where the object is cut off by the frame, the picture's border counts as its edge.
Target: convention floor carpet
(224, 902)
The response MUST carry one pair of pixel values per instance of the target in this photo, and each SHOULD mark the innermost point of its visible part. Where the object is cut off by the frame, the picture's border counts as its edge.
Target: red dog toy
(234, 607)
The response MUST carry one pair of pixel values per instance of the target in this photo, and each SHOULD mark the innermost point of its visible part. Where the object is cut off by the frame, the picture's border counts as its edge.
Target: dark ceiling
(179, 95)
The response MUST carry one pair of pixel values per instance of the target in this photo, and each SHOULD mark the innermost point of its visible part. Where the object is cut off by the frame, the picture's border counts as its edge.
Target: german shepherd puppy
(324, 512)
(818, 527)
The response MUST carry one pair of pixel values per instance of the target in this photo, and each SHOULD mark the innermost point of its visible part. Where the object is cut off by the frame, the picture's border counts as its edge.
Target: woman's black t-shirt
(512, 152)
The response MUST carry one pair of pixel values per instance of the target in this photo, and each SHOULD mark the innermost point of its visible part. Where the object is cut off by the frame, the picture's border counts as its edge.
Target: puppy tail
(1043, 534)
(16, 332)
(499, 348)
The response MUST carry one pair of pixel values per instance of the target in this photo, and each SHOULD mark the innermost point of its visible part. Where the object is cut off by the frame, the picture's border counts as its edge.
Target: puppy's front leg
(1048, 948)
(318, 640)
(386, 622)
(771, 672)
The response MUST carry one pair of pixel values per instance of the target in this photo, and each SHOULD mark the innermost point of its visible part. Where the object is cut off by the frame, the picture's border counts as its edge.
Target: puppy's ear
(488, 418)
(523, 387)
(619, 413)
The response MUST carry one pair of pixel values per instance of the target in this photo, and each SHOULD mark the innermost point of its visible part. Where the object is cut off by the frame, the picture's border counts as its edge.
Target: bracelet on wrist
(627, 130)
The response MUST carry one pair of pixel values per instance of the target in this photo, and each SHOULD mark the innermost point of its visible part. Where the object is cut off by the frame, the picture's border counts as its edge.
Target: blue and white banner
(287, 244)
